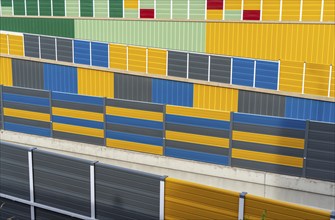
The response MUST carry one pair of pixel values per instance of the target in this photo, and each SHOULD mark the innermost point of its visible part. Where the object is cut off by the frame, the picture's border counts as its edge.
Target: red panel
(147, 13)
(215, 4)
(251, 15)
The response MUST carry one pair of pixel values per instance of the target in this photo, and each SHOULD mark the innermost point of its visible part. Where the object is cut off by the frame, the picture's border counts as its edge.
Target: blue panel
(269, 121)
(78, 122)
(266, 75)
(243, 72)
(176, 119)
(60, 78)
(134, 122)
(77, 98)
(99, 54)
(172, 92)
(28, 129)
(134, 138)
(199, 156)
(82, 52)
(310, 109)
(26, 99)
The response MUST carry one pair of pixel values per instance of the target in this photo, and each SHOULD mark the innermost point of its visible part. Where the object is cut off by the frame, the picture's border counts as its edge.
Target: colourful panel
(6, 7)
(86, 8)
(127, 145)
(179, 9)
(329, 10)
(19, 7)
(266, 75)
(45, 8)
(99, 52)
(15, 45)
(197, 9)
(60, 78)
(271, 10)
(243, 72)
(6, 78)
(72, 8)
(131, 13)
(58, 8)
(131, 4)
(101, 9)
(214, 14)
(332, 83)
(32, 7)
(3, 44)
(291, 10)
(137, 59)
(157, 61)
(317, 79)
(118, 56)
(26, 114)
(163, 9)
(233, 10)
(291, 74)
(251, 10)
(214, 4)
(116, 8)
(82, 51)
(251, 15)
(311, 10)
(147, 13)
(198, 113)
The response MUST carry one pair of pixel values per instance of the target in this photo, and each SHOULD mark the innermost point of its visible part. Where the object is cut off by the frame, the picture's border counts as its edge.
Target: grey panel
(197, 147)
(28, 74)
(28, 122)
(135, 105)
(48, 48)
(320, 174)
(177, 64)
(62, 182)
(197, 130)
(1, 106)
(14, 210)
(31, 46)
(261, 103)
(77, 106)
(198, 66)
(220, 69)
(26, 107)
(125, 194)
(64, 50)
(135, 130)
(132, 87)
(42, 214)
(14, 169)
(78, 138)
(27, 92)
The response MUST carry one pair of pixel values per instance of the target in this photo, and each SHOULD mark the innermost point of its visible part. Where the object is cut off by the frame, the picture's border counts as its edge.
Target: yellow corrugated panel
(146, 148)
(332, 84)
(278, 210)
(271, 10)
(291, 10)
(137, 59)
(26, 114)
(6, 77)
(3, 44)
(329, 10)
(311, 10)
(186, 200)
(233, 5)
(118, 56)
(73, 129)
(95, 83)
(93, 116)
(215, 98)
(291, 74)
(157, 61)
(133, 113)
(130, 4)
(317, 79)
(214, 14)
(267, 158)
(15, 45)
(197, 113)
(252, 5)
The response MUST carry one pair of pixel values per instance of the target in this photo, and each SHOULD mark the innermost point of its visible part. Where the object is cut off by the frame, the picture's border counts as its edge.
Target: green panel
(179, 9)
(19, 7)
(72, 8)
(163, 9)
(131, 13)
(32, 7)
(101, 8)
(45, 7)
(86, 8)
(58, 7)
(6, 3)
(147, 4)
(116, 8)
(6, 10)
(197, 9)
(232, 15)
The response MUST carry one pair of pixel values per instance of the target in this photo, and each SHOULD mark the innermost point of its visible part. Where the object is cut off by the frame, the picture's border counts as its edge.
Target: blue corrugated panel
(99, 54)
(82, 52)
(26, 100)
(266, 75)
(310, 109)
(28, 129)
(172, 92)
(243, 72)
(60, 78)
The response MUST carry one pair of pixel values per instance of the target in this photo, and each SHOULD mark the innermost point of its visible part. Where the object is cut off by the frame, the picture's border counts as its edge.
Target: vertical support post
(25, 7)
(305, 148)
(188, 65)
(31, 183)
(127, 49)
(65, 9)
(162, 197)
(303, 78)
(188, 9)
(254, 80)
(164, 126)
(301, 7)
(90, 53)
(56, 54)
(241, 206)
(332, 215)
(231, 70)
(123, 9)
(231, 128)
(93, 8)
(330, 79)
(105, 121)
(12, 7)
(92, 186)
(322, 10)
(206, 10)
(72, 50)
(242, 11)
(79, 8)
(209, 68)
(281, 10)
(261, 15)
(51, 122)
(155, 9)
(224, 10)
(39, 47)
(52, 8)
(278, 81)
(167, 63)
(139, 9)
(1, 108)
(146, 60)
(171, 7)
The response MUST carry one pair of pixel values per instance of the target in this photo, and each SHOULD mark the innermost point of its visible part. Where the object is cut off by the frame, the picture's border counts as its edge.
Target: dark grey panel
(1, 106)
(132, 87)
(261, 103)
(64, 50)
(14, 210)
(42, 214)
(197, 147)
(198, 66)
(135, 130)
(135, 105)
(77, 106)
(320, 174)
(26, 107)
(31, 46)
(48, 48)
(78, 138)
(28, 122)
(26, 92)
(28, 74)
(321, 154)
(220, 69)
(62, 182)
(322, 127)
(321, 164)
(177, 64)
(197, 130)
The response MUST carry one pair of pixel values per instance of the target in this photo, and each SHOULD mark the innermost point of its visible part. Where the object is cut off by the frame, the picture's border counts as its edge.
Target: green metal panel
(86, 8)
(179, 9)
(19, 8)
(7, 10)
(45, 7)
(163, 9)
(58, 7)
(116, 8)
(6, 3)
(197, 9)
(147, 4)
(101, 8)
(32, 7)
(233, 15)
(72, 8)
(131, 13)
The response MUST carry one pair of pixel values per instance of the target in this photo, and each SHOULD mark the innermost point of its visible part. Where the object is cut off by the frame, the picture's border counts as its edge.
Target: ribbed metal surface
(266, 75)
(60, 78)
(82, 52)
(177, 64)
(64, 50)
(243, 72)
(31, 46)
(13, 210)
(1, 111)
(198, 66)
(48, 48)
(27, 74)
(99, 53)
(42, 214)
(220, 69)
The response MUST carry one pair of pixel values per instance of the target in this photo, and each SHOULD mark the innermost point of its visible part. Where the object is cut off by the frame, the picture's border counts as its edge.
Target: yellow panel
(214, 14)
(197, 113)
(197, 139)
(291, 74)
(15, 45)
(127, 145)
(78, 114)
(3, 44)
(118, 56)
(215, 98)
(291, 10)
(73, 129)
(329, 10)
(311, 10)
(271, 10)
(95, 83)
(157, 61)
(252, 5)
(26, 114)
(317, 79)
(137, 59)
(133, 113)
(233, 5)
(267, 158)
(131, 4)
(269, 139)
(332, 87)
(6, 78)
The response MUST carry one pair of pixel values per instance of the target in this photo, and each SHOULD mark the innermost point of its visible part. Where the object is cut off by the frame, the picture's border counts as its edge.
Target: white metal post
(231, 71)
(12, 7)
(303, 78)
(301, 7)
(139, 9)
(206, 10)
(209, 68)
(155, 9)
(188, 9)
(39, 47)
(261, 15)
(281, 10)
(92, 186)
(56, 54)
(161, 198)
(52, 8)
(322, 10)
(72, 51)
(254, 79)
(93, 8)
(242, 11)
(167, 63)
(31, 183)
(65, 8)
(123, 10)
(330, 79)
(224, 10)
(278, 81)
(25, 7)
(188, 65)
(90, 53)
(171, 7)
(241, 206)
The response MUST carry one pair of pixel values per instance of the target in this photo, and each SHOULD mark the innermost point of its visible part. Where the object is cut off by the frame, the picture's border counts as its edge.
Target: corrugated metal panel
(157, 61)
(31, 46)
(64, 50)
(172, 92)
(251, 10)
(186, 200)
(332, 84)
(45, 8)
(82, 52)
(116, 8)
(291, 10)
(3, 44)
(101, 9)
(6, 7)
(86, 8)
(311, 10)
(243, 72)
(60, 78)
(15, 44)
(271, 10)
(266, 75)
(99, 54)
(95, 83)
(198, 66)
(137, 59)
(215, 98)
(72, 8)
(233, 10)
(11, 208)
(1, 111)
(42, 214)
(261, 103)
(179, 9)
(291, 75)
(19, 8)
(131, 87)
(177, 64)
(48, 48)
(214, 14)
(58, 8)
(131, 13)
(317, 79)
(197, 9)
(6, 77)
(310, 109)
(27, 74)
(329, 10)
(163, 9)
(118, 56)
(220, 69)
(32, 7)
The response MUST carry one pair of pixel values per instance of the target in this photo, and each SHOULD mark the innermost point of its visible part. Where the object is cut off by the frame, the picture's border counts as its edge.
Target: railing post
(241, 206)
(305, 149)
(31, 184)
(92, 188)
(162, 198)
(231, 137)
